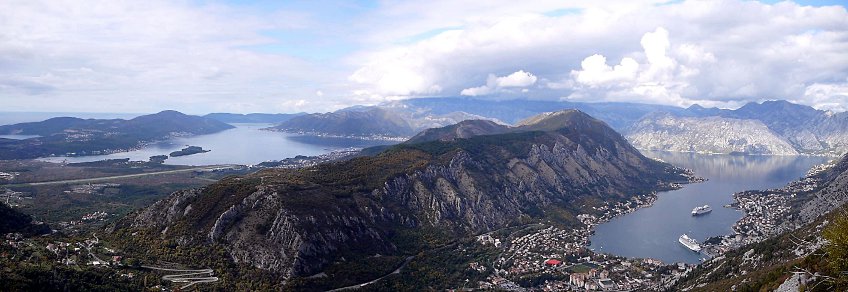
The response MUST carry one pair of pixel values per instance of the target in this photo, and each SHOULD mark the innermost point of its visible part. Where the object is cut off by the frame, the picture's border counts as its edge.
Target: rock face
(832, 195)
(707, 135)
(295, 222)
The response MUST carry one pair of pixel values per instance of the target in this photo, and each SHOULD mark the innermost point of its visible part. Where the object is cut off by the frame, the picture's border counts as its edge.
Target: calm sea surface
(246, 144)
(653, 232)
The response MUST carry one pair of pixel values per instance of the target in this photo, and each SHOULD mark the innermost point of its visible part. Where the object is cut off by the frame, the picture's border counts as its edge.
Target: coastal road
(107, 178)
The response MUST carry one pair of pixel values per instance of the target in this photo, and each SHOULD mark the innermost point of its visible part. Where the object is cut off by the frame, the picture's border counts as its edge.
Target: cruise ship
(689, 243)
(701, 210)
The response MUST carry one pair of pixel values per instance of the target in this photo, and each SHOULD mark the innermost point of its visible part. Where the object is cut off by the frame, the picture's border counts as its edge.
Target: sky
(317, 56)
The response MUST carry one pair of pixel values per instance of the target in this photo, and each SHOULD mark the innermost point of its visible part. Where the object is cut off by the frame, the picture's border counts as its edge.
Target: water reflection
(653, 232)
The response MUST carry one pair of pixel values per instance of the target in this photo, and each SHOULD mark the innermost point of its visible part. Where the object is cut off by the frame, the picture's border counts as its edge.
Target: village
(301, 161)
(72, 252)
(563, 256)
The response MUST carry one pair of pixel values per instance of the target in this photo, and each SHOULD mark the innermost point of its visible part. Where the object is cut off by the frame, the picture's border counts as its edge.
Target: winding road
(190, 277)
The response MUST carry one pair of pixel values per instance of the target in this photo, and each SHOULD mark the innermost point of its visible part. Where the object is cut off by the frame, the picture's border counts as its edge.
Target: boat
(701, 210)
(689, 243)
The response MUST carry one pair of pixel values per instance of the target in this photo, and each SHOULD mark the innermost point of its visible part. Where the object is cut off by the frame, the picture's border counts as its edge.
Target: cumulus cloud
(661, 78)
(715, 53)
(497, 84)
(595, 71)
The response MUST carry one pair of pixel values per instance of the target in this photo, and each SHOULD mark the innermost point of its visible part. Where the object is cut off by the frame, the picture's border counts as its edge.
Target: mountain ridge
(807, 130)
(408, 197)
(252, 117)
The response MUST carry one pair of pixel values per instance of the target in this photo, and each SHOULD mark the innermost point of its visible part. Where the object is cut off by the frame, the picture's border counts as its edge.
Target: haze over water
(653, 232)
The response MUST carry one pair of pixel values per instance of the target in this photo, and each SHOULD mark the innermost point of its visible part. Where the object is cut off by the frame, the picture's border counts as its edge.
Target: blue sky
(291, 56)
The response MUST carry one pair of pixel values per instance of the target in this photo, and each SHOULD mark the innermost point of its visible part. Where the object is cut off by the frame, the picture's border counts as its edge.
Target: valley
(476, 204)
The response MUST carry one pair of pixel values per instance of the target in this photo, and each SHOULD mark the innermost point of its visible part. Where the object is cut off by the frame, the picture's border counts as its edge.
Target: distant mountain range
(447, 183)
(666, 132)
(74, 136)
(618, 115)
(771, 128)
(371, 122)
(401, 119)
(368, 122)
(768, 128)
(252, 118)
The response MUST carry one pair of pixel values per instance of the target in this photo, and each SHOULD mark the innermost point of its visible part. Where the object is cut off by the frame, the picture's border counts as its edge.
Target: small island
(158, 159)
(189, 151)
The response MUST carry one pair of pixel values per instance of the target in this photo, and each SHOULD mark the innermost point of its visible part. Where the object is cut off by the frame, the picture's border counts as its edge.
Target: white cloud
(134, 57)
(660, 79)
(595, 71)
(499, 84)
(828, 96)
(517, 79)
(216, 56)
(722, 53)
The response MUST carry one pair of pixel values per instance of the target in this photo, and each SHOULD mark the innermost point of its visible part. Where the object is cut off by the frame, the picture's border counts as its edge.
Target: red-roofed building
(553, 262)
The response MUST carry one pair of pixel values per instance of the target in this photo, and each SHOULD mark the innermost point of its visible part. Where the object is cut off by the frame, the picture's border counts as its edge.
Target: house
(553, 262)
(598, 273)
(578, 279)
(606, 284)
(53, 248)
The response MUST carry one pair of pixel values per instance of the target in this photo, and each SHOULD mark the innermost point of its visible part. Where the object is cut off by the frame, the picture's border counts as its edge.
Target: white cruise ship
(701, 210)
(690, 243)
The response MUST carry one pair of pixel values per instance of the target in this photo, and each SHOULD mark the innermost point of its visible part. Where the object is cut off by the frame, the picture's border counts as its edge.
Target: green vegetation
(12, 220)
(342, 273)
(440, 269)
(836, 250)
